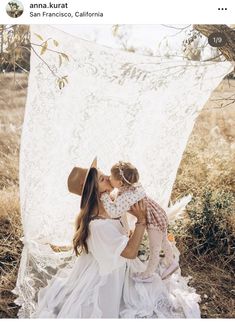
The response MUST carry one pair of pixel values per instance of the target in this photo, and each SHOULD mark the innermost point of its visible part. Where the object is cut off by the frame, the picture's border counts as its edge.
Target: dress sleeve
(106, 244)
(122, 203)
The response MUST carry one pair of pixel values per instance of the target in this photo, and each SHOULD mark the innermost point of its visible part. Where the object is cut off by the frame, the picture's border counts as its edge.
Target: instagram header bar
(110, 12)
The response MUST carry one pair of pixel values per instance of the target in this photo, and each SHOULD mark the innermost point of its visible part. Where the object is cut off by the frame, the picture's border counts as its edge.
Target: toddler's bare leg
(155, 243)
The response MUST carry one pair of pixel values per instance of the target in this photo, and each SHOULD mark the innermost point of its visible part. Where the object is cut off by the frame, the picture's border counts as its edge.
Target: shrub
(209, 229)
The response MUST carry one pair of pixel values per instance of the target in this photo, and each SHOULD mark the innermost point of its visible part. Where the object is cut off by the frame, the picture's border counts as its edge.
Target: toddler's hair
(125, 172)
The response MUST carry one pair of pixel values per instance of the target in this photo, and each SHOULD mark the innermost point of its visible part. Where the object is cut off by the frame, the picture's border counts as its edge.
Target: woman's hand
(139, 210)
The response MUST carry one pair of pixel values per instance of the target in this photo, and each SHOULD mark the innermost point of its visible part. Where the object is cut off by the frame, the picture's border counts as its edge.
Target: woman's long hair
(89, 210)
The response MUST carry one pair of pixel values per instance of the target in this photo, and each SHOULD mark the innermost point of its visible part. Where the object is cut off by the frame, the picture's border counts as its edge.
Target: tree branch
(228, 50)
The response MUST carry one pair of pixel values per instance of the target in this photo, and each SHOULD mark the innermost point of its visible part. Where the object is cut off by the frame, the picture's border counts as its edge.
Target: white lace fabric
(118, 106)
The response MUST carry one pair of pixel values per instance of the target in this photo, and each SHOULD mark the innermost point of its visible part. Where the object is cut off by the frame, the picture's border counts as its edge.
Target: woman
(98, 283)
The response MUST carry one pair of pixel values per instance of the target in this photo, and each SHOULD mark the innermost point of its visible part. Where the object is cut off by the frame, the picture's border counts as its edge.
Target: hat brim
(93, 165)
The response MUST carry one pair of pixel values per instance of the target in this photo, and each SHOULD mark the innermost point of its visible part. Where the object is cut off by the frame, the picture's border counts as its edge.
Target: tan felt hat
(77, 178)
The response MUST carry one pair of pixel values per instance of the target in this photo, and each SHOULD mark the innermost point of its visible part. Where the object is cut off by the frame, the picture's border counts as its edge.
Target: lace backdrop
(117, 106)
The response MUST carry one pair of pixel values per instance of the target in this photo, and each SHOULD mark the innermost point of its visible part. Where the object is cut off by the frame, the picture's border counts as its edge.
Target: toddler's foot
(142, 277)
(170, 270)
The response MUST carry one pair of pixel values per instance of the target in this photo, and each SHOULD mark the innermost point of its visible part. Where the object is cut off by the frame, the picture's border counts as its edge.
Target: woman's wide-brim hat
(78, 177)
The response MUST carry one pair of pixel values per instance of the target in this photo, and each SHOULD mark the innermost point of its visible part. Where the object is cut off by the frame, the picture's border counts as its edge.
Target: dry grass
(206, 163)
(12, 103)
(213, 282)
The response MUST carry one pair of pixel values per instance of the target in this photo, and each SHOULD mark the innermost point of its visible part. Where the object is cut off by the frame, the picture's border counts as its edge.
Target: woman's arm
(132, 247)
(131, 250)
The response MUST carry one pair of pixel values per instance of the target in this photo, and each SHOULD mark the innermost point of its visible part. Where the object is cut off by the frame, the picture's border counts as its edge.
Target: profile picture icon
(14, 9)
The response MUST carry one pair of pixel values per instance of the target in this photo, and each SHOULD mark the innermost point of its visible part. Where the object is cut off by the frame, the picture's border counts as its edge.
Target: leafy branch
(16, 48)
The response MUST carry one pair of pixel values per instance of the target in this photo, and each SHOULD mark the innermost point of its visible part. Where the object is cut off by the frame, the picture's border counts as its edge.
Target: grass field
(206, 164)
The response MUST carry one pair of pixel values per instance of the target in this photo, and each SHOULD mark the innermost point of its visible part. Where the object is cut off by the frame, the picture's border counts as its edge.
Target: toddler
(125, 177)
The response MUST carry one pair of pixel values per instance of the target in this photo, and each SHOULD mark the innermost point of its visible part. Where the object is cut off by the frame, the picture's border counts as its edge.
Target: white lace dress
(98, 284)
